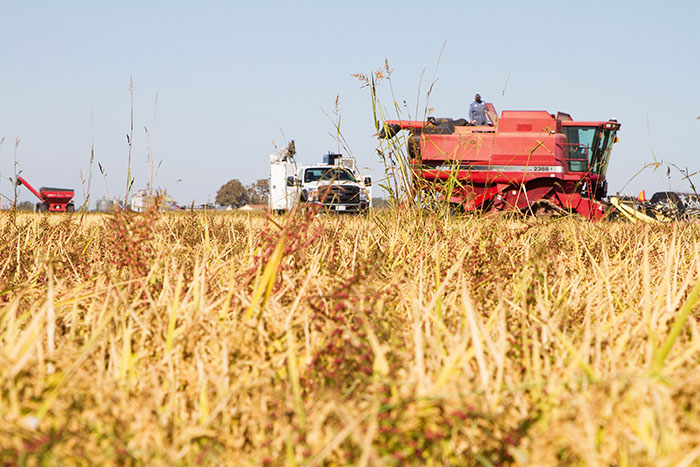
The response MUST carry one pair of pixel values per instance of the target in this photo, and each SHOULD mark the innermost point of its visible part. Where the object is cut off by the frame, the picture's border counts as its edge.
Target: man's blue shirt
(477, 112)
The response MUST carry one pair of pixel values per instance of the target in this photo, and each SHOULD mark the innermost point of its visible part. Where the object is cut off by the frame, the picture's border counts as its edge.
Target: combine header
(664, 206)
(52, 199)
(526, 160)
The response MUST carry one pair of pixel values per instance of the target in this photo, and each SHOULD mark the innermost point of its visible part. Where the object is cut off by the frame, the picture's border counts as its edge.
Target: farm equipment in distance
(526, 160)
(334, 185)
(52, 199)
(664, 206)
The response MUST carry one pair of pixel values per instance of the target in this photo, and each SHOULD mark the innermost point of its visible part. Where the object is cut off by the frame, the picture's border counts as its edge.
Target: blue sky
(233, 79)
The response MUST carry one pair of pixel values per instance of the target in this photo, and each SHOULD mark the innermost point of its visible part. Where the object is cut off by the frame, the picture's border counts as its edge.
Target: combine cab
(526, 160)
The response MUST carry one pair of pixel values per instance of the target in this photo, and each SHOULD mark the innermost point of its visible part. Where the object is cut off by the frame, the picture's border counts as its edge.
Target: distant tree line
(233, 193)
(25, 206)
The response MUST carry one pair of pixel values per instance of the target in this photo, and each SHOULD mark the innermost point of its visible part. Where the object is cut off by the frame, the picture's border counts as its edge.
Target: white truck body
(283, 195)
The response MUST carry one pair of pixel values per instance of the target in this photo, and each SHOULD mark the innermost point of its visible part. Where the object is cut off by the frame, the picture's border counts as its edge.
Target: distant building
(105, 204)
(141, 201)
(204, 207)
(253, 207)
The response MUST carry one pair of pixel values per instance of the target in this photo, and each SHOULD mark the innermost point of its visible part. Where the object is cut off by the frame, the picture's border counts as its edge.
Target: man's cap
(477, 96)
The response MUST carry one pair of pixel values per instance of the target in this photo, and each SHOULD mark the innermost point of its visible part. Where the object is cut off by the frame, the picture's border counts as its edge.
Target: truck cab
(335, 185)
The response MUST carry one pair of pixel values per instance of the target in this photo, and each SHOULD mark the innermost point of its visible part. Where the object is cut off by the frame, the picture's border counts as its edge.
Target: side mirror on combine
(291, 181)
(368, 181)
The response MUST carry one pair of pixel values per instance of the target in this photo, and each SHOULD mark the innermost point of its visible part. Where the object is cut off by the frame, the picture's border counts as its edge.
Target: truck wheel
(70, 207)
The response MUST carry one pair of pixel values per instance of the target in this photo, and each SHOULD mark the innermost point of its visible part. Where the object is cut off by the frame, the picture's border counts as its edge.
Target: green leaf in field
(690, 303)
(267, 281)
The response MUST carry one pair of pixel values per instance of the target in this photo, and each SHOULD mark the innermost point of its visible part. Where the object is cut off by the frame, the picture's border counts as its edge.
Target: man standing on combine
(477, 112)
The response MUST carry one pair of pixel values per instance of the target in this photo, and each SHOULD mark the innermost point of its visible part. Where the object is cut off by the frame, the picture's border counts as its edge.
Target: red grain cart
(526, 160)
(52, 199)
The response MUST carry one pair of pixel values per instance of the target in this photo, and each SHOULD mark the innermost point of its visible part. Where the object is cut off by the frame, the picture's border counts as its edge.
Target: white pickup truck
(336, 184)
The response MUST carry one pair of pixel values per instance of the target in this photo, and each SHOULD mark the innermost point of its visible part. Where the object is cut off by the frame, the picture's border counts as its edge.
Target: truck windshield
(328, 174)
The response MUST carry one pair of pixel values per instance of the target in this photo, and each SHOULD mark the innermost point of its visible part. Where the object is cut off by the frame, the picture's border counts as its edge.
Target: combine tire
(70, 207)
(42, 207)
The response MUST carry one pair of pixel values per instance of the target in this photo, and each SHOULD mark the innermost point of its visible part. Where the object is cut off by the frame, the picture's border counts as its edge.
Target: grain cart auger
(528, 160)
(52, 199)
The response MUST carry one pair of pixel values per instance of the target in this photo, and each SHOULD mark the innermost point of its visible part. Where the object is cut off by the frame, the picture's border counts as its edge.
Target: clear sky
(235, 78)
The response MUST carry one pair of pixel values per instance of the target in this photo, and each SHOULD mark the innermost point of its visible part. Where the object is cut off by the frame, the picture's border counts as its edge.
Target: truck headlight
(363, 195)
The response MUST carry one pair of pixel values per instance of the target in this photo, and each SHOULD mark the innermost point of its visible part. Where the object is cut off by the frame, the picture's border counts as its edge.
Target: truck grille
(334, 194)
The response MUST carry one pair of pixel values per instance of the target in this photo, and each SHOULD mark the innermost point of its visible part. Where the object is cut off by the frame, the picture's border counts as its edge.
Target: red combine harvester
(526, 160)
(52, 199)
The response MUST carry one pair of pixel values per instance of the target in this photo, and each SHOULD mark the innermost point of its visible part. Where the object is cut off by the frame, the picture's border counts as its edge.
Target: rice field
(391, 339)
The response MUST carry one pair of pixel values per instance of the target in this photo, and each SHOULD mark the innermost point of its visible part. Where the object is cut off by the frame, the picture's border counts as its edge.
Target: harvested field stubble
(392, 338)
